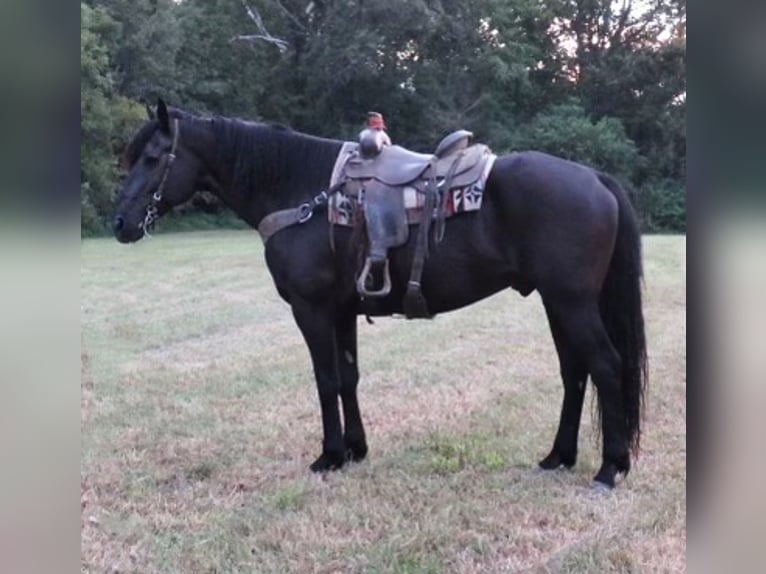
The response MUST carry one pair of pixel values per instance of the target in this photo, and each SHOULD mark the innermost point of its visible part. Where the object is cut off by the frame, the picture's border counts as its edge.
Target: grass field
(200, 418)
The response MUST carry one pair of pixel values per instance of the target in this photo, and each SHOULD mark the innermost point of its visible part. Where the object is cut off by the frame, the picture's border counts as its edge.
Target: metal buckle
(320, 198)
(305, 212)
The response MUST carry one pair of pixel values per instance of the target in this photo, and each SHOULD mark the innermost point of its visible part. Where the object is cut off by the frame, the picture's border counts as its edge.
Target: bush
(90, 223)
(662, 206)
(127, 117)
(99, 170)
(567, 131)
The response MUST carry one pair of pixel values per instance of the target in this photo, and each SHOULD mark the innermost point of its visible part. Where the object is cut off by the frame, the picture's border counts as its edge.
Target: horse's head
(162, 173)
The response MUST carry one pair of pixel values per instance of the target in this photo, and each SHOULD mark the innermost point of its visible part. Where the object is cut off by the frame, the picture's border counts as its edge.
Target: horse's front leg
(354, 437)
(317, 323)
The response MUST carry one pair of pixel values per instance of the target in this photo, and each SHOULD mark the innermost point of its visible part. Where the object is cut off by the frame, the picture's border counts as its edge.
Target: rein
(152, 211)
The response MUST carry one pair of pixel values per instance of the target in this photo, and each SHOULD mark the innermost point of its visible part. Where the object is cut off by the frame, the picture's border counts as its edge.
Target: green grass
(199, 420)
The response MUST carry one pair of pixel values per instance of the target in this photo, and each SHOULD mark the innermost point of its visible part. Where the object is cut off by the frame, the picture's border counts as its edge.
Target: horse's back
(542, 185)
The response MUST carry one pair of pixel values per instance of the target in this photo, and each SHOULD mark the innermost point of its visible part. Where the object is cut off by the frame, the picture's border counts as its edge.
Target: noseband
(152, 211)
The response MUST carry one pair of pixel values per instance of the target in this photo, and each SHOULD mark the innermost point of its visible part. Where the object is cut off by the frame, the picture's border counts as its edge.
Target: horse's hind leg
(353, 436)
(573, 375)
(581, 325)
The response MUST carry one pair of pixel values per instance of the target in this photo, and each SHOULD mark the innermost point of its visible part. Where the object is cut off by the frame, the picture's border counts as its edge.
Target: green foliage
(629, 63)
(96, 160)
(108, 119)
(144, 47)
(599, 82)
(291, 497)
(127, 117)
(89, 220)
(450, 455)
(568, 132)
(663, 206)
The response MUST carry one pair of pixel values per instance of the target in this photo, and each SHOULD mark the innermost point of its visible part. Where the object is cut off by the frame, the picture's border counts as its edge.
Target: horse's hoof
(601, 488)
(606, 476)
(356, 453)
(326, 463)
(550, 462)
(554, 461)
(611, 469)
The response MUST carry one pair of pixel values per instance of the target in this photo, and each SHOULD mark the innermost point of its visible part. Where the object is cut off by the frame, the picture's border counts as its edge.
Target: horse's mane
(252, 153)
(255, 153)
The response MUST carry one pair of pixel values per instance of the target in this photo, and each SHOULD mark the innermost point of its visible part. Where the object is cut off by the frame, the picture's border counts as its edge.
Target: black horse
(545, 224)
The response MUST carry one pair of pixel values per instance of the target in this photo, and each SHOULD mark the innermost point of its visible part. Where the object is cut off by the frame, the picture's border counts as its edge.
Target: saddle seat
(394, 166)
(397, 166)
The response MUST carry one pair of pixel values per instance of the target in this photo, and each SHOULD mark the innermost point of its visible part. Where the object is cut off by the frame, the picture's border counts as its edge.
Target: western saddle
(398, 188)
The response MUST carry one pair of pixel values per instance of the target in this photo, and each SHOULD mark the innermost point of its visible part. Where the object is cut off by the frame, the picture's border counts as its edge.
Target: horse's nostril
(118, 223)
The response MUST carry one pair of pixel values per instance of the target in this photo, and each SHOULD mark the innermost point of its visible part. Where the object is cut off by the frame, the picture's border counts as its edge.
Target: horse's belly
(460, 287)
(448, 283)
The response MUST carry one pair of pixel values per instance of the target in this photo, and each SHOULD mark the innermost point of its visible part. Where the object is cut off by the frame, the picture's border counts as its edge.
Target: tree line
(598, 81)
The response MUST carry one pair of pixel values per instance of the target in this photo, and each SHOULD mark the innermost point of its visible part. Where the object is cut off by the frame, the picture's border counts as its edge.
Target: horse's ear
(163, 116)
(149, 111)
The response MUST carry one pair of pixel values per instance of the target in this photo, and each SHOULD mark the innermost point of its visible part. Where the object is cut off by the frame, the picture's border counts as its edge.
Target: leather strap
(415, 306)
(278, 220)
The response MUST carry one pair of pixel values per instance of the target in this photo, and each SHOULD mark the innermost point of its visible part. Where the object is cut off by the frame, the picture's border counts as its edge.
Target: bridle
(152, 211)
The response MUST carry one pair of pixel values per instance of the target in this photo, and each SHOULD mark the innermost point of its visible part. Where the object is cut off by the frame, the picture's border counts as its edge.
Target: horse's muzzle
(124, 232)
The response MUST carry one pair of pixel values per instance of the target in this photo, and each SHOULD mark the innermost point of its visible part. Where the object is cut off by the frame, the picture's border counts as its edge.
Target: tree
(599, 81)
(96, 161)
(628, 62)
(107, 118)
(144, 47)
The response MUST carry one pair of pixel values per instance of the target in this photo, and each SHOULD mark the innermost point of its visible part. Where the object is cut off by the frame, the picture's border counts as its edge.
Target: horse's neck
(284, 177)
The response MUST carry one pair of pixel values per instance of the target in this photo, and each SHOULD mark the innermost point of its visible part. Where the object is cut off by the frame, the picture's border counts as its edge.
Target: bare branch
(622, 21)
(255, 16)
(281, 44)
(290, 15)
(474, 104)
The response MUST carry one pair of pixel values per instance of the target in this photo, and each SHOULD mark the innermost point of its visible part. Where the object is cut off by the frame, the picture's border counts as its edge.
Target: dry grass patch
(200, 418)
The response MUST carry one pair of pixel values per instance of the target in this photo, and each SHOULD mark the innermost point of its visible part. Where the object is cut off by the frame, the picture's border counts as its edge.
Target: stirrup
(360, 283)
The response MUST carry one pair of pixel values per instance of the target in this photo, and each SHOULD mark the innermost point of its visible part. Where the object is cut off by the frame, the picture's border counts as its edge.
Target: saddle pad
(461, 199)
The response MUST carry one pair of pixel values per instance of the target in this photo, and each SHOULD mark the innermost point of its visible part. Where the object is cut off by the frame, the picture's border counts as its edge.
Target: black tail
(621, 311)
